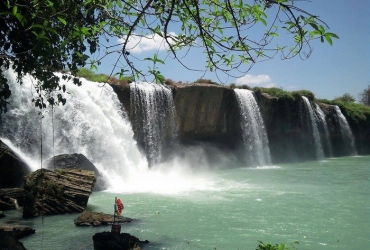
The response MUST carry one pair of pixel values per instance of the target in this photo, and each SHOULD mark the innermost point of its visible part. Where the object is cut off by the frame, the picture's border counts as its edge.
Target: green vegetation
(306, 93)
(44, 36)
(365, 96)
(345, 98)
(91, 76)
(276, 92)
(207, 81)
(354, 112)
(285, 95)
(268, 246)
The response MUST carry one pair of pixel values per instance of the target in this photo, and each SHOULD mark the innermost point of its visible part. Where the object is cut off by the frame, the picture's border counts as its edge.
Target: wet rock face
(76, 161)
(12, 168)
(208, 113)
(287, 129)
(57, 192)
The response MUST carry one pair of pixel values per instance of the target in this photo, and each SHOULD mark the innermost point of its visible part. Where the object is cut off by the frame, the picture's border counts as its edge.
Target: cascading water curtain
(91, 123)
(345, 130)
(153, 118)
(253, 129)
(314, 129)
(323, 124)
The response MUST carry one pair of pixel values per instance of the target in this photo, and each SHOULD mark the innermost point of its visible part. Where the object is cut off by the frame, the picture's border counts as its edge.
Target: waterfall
(345, 131)
(254, 132)
(153, 119)
(314, 128)
(91, 123)
(322, 121)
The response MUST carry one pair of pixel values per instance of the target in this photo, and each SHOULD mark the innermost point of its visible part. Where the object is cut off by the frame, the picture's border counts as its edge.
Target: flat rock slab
(94, 219)
(111, 241)
(19, 231)
(60, 191)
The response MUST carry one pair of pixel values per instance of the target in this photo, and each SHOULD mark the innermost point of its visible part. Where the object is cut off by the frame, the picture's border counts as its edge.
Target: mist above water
(92, 123)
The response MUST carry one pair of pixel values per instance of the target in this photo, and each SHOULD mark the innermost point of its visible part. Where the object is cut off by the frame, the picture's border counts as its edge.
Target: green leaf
(331, 35)
(63, 21)
(15, 9)
(328, 39)
(314, 25)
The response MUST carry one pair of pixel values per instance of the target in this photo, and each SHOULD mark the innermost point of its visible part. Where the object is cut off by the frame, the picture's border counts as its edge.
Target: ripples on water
(323, 205)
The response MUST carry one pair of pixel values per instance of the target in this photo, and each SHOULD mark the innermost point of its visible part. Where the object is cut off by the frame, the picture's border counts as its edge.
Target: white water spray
(345, 130)
(315, 131)
(91, 123)
(254, 132)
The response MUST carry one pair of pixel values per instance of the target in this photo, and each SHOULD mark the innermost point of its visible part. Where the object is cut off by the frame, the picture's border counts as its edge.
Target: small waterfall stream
(153, 118)
(324, 125)
(345, 130)
(254, 132)
(314, 129)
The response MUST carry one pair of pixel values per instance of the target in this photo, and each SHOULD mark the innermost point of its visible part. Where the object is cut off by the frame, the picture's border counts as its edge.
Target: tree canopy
(365, 96)
(347, 97)
(39, 37)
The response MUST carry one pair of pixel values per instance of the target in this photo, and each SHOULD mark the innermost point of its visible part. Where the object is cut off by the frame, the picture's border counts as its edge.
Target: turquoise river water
(318, 205)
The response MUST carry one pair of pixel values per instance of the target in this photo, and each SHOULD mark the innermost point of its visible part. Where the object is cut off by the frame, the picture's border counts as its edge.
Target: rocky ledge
(76, 161)
(57, 192)
(19, 231)
(87, 219)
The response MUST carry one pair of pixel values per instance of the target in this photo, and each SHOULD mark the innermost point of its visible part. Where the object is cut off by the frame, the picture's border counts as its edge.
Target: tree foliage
(345, 98)
(38, 37)
(365, 96)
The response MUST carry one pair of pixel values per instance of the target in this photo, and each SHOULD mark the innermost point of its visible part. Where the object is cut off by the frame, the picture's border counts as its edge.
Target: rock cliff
(209, 113)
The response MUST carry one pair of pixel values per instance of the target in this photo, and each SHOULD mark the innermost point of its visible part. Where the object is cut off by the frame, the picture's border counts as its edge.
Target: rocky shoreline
(65, 189)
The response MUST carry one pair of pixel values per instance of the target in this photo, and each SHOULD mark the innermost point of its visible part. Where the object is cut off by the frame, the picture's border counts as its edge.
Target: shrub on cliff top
(354, 112)
(276, 92)
(306, 93)
(208, 81)
(91, 76)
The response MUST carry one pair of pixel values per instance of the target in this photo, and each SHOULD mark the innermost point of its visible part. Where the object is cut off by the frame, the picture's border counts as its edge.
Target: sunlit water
(322, 205)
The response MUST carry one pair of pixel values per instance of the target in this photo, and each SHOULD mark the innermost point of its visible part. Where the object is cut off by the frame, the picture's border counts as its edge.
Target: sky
(329, 72)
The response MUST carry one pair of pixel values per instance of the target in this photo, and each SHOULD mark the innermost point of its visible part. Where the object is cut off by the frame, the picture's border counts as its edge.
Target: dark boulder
(12, 168)
(9, 242)
(76, 161)
(86, 219)
(57, 192)
(19, 231)
(111, 241)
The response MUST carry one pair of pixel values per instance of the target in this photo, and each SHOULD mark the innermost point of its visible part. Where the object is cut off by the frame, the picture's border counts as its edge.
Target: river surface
(318, 205)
